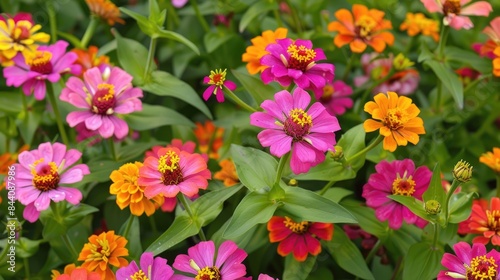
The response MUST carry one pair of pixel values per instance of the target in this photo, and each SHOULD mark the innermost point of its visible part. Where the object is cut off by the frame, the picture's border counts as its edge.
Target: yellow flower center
(403, 186)
(301, 58)
(217, 77)
(299, 228)
(100, 251)
(21, 31)
(493, 219)
(104, 99)
(328, 92)
(139, 275)
(451, 7)
(168, 165)
(45, 176)
(40, 62)
(396, 118)
(481, 268)
(208, 273)
(364, 26)
(297, 124)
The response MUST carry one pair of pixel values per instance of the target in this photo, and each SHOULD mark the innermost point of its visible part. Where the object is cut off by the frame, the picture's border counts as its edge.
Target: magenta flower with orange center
(336, 97)
(217, 80)
(470, 263)
(485, 220)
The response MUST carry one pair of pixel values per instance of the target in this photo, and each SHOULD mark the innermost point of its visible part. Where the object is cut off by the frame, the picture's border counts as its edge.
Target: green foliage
(422, 262)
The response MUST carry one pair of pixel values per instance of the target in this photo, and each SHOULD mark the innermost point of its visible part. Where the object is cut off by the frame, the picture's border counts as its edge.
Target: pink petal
(120, 127)
(203, 253)
(480, 8)
(107, 128)
(72, 195)
(77, 117)
(94, 122)
(30, 213)
(433, 6)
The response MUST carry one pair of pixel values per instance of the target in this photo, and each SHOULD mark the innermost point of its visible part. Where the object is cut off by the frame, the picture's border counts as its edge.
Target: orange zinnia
(418, 23)
(396, 117)
(89, 58)
(496, 62)
(485, 220)
(129, 193)
(492, 159)
(104, 250)
(227, 173)
(209, 138)
(362, 27)
(255, 52)
(106, 10)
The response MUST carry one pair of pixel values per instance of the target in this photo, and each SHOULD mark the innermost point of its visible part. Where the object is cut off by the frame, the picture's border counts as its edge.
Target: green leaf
(148, 27)
(460, 207)
(258, 9)
(155, 15)
(26, 248)
(179, 38)
(254, 85)
(214, 40)
(255, 168)
(295, 270)
(435, 190)
(366, 218)
(253, 209)
(72, 39)
(182, 228)
(132, 57)
(11, 102)
(133, 236)
(76, 213)
(28, 122)
(153, 116)
(208, 206)
(336, 194)
(136, 150)
(100, 170)
(347, 255)
(449, 80)
(422, 262)
(425, 53)
(415, 206)
(470, 58)
(310, 206)
(164, 84)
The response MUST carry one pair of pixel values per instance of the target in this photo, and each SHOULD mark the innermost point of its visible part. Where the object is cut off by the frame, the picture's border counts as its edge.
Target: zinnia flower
(493, 32)
(336, 97)
(295, 61)
(496, 62)
(456, 12)
(289, 125)
(485, 220)
(171, 171)
(492, 159)
(300, 239)
(396, 118)
(88, 59)
(417, 23)
(129, 193)
(102, 251)
(46, 63)
(209, 138)
(79, 274)
(106, 10)
(102, 95)
(467, 75)
(41, 175)
(470, 263)
(217, 80)
(398, 177)
(179, 3)
(361, 28)
(150, 269)
(202, 262)
(228, 173)
(19, 35)
(257, 50)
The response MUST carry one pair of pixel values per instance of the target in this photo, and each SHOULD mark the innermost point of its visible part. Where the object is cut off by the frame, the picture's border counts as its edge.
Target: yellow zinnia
(255, 52)
(396, 117)
(492, 160)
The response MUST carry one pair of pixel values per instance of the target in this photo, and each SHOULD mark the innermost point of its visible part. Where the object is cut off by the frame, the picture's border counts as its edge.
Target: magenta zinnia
(295, 61)
(289, 125)
(102, 95)
(217, 80)
(41, 174)
(202, 262)
(150, 268)
(398, 177)
(336, 97)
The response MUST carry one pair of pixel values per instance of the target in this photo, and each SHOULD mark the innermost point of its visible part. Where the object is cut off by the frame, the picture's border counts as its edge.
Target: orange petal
(370, 125)
(389, 144)
(342, 39)
(358, 46)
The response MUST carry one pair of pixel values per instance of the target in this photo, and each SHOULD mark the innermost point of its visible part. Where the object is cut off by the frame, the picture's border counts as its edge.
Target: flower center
(493, 219)
(297, 124)
(396, 118)
(481, 268)
(104, 99)
(299, 228)
(301, 58)
(139, 275)
(168, 165)
(364, 26)
(45, 176)
(403, 186)
(40, 62)
(208, 273)
(217, 77)
(21, 31)
(451, 7)
(328, 92)
(99, 251)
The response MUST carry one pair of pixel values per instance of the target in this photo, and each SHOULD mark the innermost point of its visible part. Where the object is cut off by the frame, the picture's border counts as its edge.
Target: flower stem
(26, 268)
(372, 145)
(111, 143)
(152, 222)
(129, 226)
(150, 59)
(186, 206)
(277, 17)
(281, 165)
(295, 17)
(348, 67)
(372, 252)
(277, 193)
(435, 238)
(200, 17)
(498, 185)
(70, 245)
(57, 114)
(238, 101)
(326, 187)
(442, 40)
(454, 186)
(52, 21)
(90, 31)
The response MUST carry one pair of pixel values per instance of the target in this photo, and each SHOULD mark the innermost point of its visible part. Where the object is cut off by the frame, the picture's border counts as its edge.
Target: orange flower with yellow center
(104, 250)
(360, 28)
(209, 138)
(228, 173)
(492, 159)
(396, 118)
(89, 58)
(129, 193)
(106, 10)
(257, 50)
(418, 23)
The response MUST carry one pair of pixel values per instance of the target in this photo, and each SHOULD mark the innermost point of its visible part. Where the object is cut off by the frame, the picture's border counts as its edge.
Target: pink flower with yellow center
(41, 176)
(456, 12)
(295, 61)
(171, 171)
(485, 220)
(46, 63)
(102, 95)
(290, 126)
(398, 177)
(150, 269)
(336, 97)
(300, 238)
(217, 80)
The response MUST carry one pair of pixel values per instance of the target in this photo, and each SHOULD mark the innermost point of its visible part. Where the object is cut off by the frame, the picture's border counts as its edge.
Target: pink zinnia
(40, 175)
(289, 125)
(150, 268)
(456, 12)
(102, 95)
(202, 262)
(47, 63)
(336, 97)
(18, 17)
(171, 171)
(217, 80)
(398, 177)
(295, 61)
(470, 263)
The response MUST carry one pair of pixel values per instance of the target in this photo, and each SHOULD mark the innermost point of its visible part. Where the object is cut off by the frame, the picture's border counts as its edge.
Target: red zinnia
(486, 221)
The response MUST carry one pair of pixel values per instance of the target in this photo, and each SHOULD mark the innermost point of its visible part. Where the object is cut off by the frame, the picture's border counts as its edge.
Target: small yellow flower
(492, 160)
(106, 10)
(227, 173)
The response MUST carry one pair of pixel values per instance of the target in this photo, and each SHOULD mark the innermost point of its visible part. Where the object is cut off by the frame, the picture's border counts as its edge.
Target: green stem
(186, 206)
(152, 222)
(442, 40)
(52, 22)
(172, 15)
(435, 238)
(437, 108)
(367, 92)
(326, 187)
(57, 114)
(70, 245)
(111, 143)
(151, 57)
(89, 32)
(55, 207)
(200, 17)
(372, 252)
(372, 145)
(129, 226)
(277, 17)
(238, 101)
(281, 165)
(290, 87)
(348, 67)
(498, 185)
(454, 186)
(26, 268)
(295, 17)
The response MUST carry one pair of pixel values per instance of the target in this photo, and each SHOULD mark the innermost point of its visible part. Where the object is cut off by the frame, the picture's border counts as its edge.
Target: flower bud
(337, 153)
(462, 171)
(401, 62)
(293, 182)
(432, 207)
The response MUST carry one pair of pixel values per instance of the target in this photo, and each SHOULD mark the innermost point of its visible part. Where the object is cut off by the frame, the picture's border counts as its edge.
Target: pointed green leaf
(337, 194)
(75, 213)
(179, 38)
(470, 58)
(132, 229)
(26, 247)
(460, 207)
(449, 79)
(214, 40)
(366, 218)
(258, 9)
(11, 102)
(208, 206)
(425, 53)
(132, 57)
(415, 206)
(182, 228)
(298, 270)
(149, 28)
(72, 39)
(435, 190)
(254, 85)
(153, 116)
(422, 262)
(255, 168)
(156, 16)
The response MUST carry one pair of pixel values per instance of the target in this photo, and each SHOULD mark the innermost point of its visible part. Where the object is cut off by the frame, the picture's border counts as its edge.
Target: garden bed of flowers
(249, 139)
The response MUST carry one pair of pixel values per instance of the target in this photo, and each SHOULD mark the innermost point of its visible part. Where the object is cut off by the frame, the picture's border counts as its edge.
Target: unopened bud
(432, 207)
(337, 153)
(401, 62)
(462, 171)
(293, 182)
